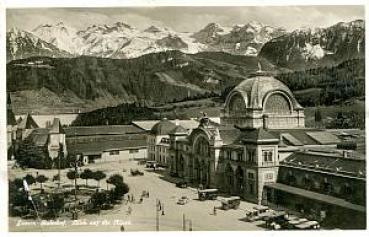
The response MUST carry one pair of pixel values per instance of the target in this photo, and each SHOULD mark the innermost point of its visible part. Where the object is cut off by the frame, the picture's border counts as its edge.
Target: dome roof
(254, 90)
(164, 127)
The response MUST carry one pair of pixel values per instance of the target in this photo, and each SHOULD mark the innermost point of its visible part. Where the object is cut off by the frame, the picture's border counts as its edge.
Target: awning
(317, 196)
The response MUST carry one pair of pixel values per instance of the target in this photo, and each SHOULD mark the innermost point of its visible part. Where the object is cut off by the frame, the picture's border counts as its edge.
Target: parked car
(181, 184)
(231, 203)
(276, 220)
(309, 225)
(182, 201)
(135, 172)
(151, 164)
(258, 213)
(291, 224)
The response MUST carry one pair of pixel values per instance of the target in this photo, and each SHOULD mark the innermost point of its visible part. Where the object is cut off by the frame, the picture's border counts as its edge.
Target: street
(143, 216)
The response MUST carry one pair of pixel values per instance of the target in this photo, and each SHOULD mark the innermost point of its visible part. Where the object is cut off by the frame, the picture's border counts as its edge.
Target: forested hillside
(327, 85)
(151, 79)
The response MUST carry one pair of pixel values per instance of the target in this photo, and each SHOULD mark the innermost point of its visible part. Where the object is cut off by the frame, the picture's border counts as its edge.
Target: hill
(151, 79)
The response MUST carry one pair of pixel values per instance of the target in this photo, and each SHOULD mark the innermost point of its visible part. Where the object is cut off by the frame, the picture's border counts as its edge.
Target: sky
(185, 19)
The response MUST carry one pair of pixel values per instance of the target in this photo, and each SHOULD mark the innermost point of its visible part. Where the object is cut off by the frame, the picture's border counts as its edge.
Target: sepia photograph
(185, 118)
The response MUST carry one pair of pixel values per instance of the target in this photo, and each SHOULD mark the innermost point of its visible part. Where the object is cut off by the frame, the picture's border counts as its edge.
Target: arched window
(277, 104)
(236, 105)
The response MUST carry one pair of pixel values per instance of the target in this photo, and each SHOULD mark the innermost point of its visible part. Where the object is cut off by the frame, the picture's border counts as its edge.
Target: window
(112, 153)
(269, 176)
(239, 156)
(133, 151)
(250, 157)
(267, 156)
(250, 175)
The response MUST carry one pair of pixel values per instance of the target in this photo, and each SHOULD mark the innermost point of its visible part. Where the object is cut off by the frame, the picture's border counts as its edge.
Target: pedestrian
(122, 228)
(129, 210)
(215, 211)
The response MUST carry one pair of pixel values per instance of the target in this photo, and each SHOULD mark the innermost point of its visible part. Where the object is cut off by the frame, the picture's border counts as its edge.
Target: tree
(30, 179)
(98, 175)
(318, 116)
(98, 199)
(41, 179)
(87, 174)
(115, 179)
(72, 175)
(120, 190)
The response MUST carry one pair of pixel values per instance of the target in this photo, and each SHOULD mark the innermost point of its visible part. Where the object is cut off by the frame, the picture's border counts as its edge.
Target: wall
(123, 155)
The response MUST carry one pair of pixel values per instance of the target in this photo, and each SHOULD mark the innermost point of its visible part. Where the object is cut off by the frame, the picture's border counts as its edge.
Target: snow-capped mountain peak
(60, 35)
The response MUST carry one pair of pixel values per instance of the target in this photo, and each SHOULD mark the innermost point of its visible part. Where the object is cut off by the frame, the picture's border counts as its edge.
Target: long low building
(122, 147)
(107, 143)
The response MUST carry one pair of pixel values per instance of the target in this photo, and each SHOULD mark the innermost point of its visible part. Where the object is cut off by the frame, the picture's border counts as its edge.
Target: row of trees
(86, 175)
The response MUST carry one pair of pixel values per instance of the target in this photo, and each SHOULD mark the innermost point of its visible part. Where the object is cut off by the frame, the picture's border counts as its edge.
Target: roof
(39, 136)
(291, 139)
(230, 136)
(147, 125)
(323, 137)
(102, 130)
(56, 127)
(326, 162)
(163, 127)
(316, 196)
(10, 118)
(98, 147)
(305, 136)
(256, 88)
(28, 123)
(258, 135)
(178, 130)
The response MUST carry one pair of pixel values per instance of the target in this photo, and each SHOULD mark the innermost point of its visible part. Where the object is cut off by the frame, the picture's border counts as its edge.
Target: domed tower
(263, 102)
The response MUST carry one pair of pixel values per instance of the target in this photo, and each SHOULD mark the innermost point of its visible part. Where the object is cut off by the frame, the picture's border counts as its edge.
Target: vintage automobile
(308, 225)
(182, 201)
(208, 194)
(258, 213)
(277, 220)
(231, 203)
(181, 184)
(151, 164)
(291, 224)
(135, 172)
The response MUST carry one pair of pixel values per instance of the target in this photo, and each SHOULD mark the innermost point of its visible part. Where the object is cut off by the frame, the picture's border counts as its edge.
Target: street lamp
(76, 164)
(184, 221)
(158, 209)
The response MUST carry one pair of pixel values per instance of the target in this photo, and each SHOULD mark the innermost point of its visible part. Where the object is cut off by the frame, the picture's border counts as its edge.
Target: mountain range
(121, 40)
